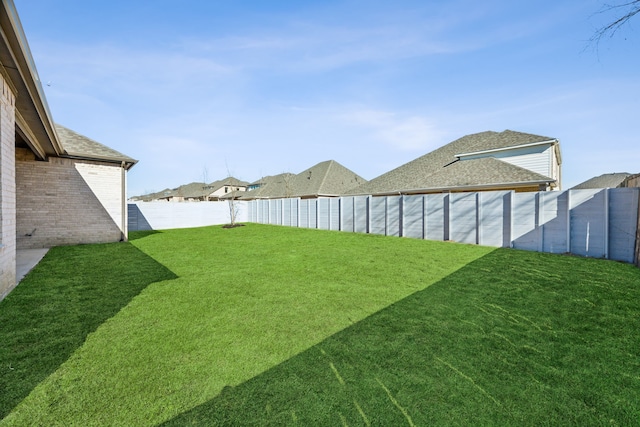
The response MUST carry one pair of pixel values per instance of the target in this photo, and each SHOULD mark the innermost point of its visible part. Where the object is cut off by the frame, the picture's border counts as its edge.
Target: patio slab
(26, 259)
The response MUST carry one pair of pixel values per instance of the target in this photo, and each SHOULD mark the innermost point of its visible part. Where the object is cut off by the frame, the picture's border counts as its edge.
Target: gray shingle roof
(328, 178)
(272, 186)
(486, 171)
(440, 168)
(607, 180)
(194, 190)
(80, 146)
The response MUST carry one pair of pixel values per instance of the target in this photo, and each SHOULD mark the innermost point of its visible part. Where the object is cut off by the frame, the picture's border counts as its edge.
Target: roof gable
(417, 173)
(328, 178)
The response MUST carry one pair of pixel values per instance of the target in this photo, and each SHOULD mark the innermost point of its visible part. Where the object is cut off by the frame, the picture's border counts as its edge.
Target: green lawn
(262, 325)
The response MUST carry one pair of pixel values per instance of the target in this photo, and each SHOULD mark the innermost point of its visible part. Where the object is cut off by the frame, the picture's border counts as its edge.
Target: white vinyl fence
(600, 223)
(165, 215)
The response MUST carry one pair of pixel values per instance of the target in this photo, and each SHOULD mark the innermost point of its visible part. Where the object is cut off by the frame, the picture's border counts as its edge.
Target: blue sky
(193, 89)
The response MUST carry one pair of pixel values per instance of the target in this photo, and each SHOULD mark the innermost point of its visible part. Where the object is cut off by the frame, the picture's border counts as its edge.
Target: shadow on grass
(69, 294)
(135, 235)
(514, 338)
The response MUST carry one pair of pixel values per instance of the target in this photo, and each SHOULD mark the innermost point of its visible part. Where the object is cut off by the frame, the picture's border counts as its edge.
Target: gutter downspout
(123, 193)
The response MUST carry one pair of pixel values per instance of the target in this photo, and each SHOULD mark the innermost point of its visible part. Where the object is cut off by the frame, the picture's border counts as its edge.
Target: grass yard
(265, 325)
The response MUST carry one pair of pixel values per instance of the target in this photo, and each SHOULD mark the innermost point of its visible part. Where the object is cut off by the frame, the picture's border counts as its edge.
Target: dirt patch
(232, 225)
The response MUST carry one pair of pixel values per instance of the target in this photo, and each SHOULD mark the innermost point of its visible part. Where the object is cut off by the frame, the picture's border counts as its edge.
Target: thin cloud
(407, 133)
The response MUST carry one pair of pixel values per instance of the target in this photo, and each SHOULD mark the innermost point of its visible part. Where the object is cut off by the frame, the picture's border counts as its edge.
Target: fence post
(369, 214)
(569, 221)
(510, 213)
(386, 215)
(637, 257)
(447, 217)
(540, 220)
(401, 215)
(424, 217)
(606, 223)
(478, 218)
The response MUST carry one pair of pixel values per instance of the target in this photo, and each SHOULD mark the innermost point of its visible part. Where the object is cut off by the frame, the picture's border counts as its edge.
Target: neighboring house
(197, 191)
(152, 196)
(483, 161)
(267, 185)
(632, 181)
(56, 187)
(326, 179)
(607, 180)
(226, 186)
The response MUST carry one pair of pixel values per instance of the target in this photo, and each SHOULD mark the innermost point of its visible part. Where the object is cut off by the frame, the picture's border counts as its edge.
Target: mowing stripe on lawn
(245, 300)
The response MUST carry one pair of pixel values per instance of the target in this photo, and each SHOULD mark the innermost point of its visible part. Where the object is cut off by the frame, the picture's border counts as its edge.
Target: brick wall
(7, 190)
(66, 202)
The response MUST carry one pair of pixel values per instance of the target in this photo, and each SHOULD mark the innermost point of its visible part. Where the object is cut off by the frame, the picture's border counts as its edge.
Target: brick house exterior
(57, 187)
(7, 190)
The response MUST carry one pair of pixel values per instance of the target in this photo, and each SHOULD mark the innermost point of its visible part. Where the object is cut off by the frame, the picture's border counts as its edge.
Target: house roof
(271, 186)
(328, 178)
(607, 180)
(193, 190)
(442, 169)
(479, 173)
(230, 180)
(79, 146)
(167, 192)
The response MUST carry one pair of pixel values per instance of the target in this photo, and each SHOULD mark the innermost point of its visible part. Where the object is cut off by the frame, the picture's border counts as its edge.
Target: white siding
(538, 158)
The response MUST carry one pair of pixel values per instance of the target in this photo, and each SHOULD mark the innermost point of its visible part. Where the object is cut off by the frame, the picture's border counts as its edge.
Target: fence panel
(436, 217)
(554, 220)
(464, 218)
(303, 212)
(378, 214)
(313, 213)
(348, 212)
(413, 218)
(494, 218)
(286, 212)
(623, 223)
(334, 212)
(361, 214)
(588, 222)
(394, 215)
(525, 231)
(275, 212)
(324, 219)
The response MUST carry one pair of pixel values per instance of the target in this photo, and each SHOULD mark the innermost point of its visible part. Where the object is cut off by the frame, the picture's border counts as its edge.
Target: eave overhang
(126, 164)
(510, 148)
(462, 188)
(33, 119)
